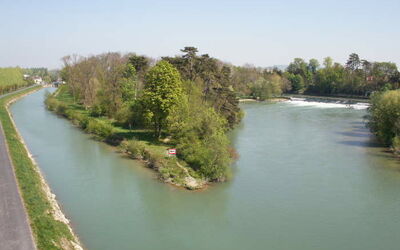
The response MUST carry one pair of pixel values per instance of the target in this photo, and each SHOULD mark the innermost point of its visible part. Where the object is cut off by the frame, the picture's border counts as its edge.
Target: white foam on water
(302, 102)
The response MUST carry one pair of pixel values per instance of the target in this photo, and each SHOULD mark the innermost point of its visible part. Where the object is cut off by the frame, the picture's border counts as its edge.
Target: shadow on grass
(142, 135)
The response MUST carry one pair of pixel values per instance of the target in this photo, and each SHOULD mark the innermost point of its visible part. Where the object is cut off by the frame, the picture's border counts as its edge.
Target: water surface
(308, 177)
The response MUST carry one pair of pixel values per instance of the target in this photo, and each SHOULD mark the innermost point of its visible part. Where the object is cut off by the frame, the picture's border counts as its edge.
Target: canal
(310, 176)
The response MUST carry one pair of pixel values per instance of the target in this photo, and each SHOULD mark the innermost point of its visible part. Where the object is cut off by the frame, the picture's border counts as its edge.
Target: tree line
(357, 77)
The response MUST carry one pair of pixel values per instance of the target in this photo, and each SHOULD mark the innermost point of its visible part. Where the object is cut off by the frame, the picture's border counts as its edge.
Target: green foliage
(199, 133)
(329, 79)
(140, 63)
(396, 144)
(358, 77)
(263, 89)
(384, 119)
(103, 129)
(137, 149)
(11, 79)
(162, 93)
(296, 81)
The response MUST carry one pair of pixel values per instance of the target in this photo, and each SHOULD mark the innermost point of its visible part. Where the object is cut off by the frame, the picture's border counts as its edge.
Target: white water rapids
(303, 102)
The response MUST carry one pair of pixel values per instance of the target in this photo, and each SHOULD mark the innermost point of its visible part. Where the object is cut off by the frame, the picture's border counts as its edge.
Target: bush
(396, 144)
(155, 160)
(61, 108)
(77, 118)
(201, 141)
(96, 111)
(384, 118)
(136, 149)
(99, 128)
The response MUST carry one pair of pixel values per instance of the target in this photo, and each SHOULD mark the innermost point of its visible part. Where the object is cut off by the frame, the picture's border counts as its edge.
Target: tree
(296, 81)
(354, 62)
(328, 62)
(162, 93)
(199, 134)
(265, 88)
(140, 63)
(313, 65)
(190, 58)
(384, 117)
(298, 67)
(128, 84)
(329, 79)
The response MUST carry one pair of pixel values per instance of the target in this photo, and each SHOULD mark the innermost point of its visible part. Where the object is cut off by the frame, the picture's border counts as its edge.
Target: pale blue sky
(263, 33)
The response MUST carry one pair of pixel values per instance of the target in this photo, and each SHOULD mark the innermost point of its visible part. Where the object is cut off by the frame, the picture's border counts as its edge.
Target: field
(11, 79)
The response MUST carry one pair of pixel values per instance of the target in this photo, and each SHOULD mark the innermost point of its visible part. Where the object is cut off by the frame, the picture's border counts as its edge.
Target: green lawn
(11, 79)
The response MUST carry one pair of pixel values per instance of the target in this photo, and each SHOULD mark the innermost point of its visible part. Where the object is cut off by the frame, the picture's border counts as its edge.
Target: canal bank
(49, 225)
(308, 177)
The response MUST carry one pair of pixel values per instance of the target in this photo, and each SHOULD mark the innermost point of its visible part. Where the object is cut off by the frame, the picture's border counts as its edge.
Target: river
(308, 177)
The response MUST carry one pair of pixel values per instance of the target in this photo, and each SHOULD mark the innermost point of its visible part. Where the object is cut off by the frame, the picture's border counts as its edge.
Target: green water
(307, 178)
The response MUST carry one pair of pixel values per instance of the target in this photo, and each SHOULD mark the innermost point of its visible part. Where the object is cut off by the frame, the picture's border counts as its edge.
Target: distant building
(37, 79)
(26, 76)
(370, 78)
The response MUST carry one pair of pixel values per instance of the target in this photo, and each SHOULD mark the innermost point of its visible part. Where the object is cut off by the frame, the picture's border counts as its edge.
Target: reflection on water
(307, 178)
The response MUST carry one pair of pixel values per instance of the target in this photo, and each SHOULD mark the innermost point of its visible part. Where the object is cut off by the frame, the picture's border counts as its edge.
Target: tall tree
(328, 62)
(162, 93)
(190, 60)
(354, 62)
(313, 65)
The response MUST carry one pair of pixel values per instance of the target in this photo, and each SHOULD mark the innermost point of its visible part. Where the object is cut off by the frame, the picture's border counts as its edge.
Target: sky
(38, 33)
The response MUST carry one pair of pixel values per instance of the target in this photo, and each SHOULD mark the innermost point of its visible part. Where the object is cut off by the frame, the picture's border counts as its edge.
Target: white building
(37, 79)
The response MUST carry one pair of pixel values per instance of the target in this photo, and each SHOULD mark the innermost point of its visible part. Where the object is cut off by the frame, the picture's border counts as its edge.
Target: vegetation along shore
(147, 109)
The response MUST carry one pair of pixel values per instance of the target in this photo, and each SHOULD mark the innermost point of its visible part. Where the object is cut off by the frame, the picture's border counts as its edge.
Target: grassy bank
(49, 233)
(139, 144)
(12, 79)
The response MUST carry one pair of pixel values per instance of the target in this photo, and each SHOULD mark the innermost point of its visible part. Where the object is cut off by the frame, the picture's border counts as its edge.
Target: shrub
(61, 108)
(77, 118)
(136, 149)
(51, 103)
(384, 118)
(96, 111)
(396, 144)
(155, 160)
(201, 141)
(99, 128)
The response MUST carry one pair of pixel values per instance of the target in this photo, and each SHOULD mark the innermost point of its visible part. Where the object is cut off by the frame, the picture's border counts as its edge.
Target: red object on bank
(172, 151)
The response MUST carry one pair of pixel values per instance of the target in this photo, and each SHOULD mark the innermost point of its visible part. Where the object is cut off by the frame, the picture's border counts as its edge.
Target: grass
(48, 232)
(153, 151)
(11, 79)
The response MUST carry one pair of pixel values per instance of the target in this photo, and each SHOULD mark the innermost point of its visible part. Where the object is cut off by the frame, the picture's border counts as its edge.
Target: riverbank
(50, 228)
(138, 144)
